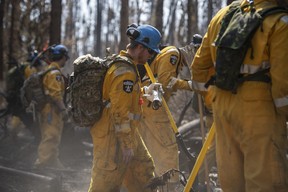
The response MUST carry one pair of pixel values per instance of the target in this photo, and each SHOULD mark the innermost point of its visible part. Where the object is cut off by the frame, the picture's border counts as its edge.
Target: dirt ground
(17, 155)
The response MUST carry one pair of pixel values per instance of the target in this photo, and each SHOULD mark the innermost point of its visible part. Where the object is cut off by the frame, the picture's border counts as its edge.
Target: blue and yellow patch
(58, 78)
(173, 59)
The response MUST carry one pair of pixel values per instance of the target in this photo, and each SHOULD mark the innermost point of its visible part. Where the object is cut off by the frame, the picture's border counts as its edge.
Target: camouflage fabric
(234, 39)
(32, 90)
(86, 87)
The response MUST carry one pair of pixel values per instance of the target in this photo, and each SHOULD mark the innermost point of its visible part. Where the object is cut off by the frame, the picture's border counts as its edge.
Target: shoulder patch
(128, 86)
(173, 59)
(58, 78)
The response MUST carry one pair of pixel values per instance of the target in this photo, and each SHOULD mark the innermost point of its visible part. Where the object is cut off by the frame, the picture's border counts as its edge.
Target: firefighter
(251, 122)
(54, 111)
(20, 116)
(119, 154)
(207, 112)
(155, 128)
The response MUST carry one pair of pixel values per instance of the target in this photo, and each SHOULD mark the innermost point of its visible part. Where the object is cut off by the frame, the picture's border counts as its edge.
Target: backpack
(85, 88)
(233, 40)
(32, 91)
(15, 80)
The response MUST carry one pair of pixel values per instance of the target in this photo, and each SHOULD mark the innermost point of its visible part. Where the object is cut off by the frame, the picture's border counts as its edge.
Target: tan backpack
(85, 88)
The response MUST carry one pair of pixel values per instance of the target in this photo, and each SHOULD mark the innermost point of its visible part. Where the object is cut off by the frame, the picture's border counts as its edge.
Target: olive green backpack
(233, 41)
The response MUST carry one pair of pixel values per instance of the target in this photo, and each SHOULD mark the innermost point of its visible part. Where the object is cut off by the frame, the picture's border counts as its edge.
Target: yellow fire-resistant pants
(250, 140)
(160, 140)
(109, 172)
(51, 125)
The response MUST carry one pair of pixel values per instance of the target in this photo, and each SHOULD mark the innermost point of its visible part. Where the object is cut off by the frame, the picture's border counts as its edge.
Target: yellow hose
(200, 159)
(152, 78)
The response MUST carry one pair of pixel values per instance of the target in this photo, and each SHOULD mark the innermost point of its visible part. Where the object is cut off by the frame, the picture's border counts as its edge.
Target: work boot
(52, 164)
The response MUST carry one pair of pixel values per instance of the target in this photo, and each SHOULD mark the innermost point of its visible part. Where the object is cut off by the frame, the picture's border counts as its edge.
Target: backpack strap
(43, 73)
(260, 76)
(266, 12)
(119, 59)
(125, 60)
(178, 63)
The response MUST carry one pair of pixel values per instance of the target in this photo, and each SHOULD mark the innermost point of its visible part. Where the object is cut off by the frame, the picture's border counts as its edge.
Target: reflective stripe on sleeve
(133, 116)
(281, 102)
(198, 86)
(250, 69)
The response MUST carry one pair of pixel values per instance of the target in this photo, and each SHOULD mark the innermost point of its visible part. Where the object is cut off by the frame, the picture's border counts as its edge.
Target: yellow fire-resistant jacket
(123, 92)
(269, 48)
(29, 71)
(117, 130)
(53, 83)
(166, 65)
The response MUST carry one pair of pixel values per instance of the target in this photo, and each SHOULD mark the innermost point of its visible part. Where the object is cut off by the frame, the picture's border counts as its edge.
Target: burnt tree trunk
(14, 48)
(98, 47)
(55, 25)
(2, 9)
(124, 14)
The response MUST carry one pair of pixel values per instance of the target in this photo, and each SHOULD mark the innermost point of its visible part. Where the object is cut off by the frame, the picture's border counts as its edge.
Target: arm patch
(128, 86)
(173, 59)
(59, 78)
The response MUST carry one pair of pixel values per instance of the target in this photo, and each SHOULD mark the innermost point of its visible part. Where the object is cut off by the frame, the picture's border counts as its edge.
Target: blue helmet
(58, 51)
(146, 35)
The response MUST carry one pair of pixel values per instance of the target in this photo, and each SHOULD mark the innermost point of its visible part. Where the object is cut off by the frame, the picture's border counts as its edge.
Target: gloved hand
(190, 85)
(152, 86)
(172, 82)
(154, 95)
(128, 154)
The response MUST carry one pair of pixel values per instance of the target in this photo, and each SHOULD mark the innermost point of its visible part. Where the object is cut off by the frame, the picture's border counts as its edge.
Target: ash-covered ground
(18, 153)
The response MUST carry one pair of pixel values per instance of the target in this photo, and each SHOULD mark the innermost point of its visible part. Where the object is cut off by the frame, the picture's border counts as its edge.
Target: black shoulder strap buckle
(258, 76)
(211, 81)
